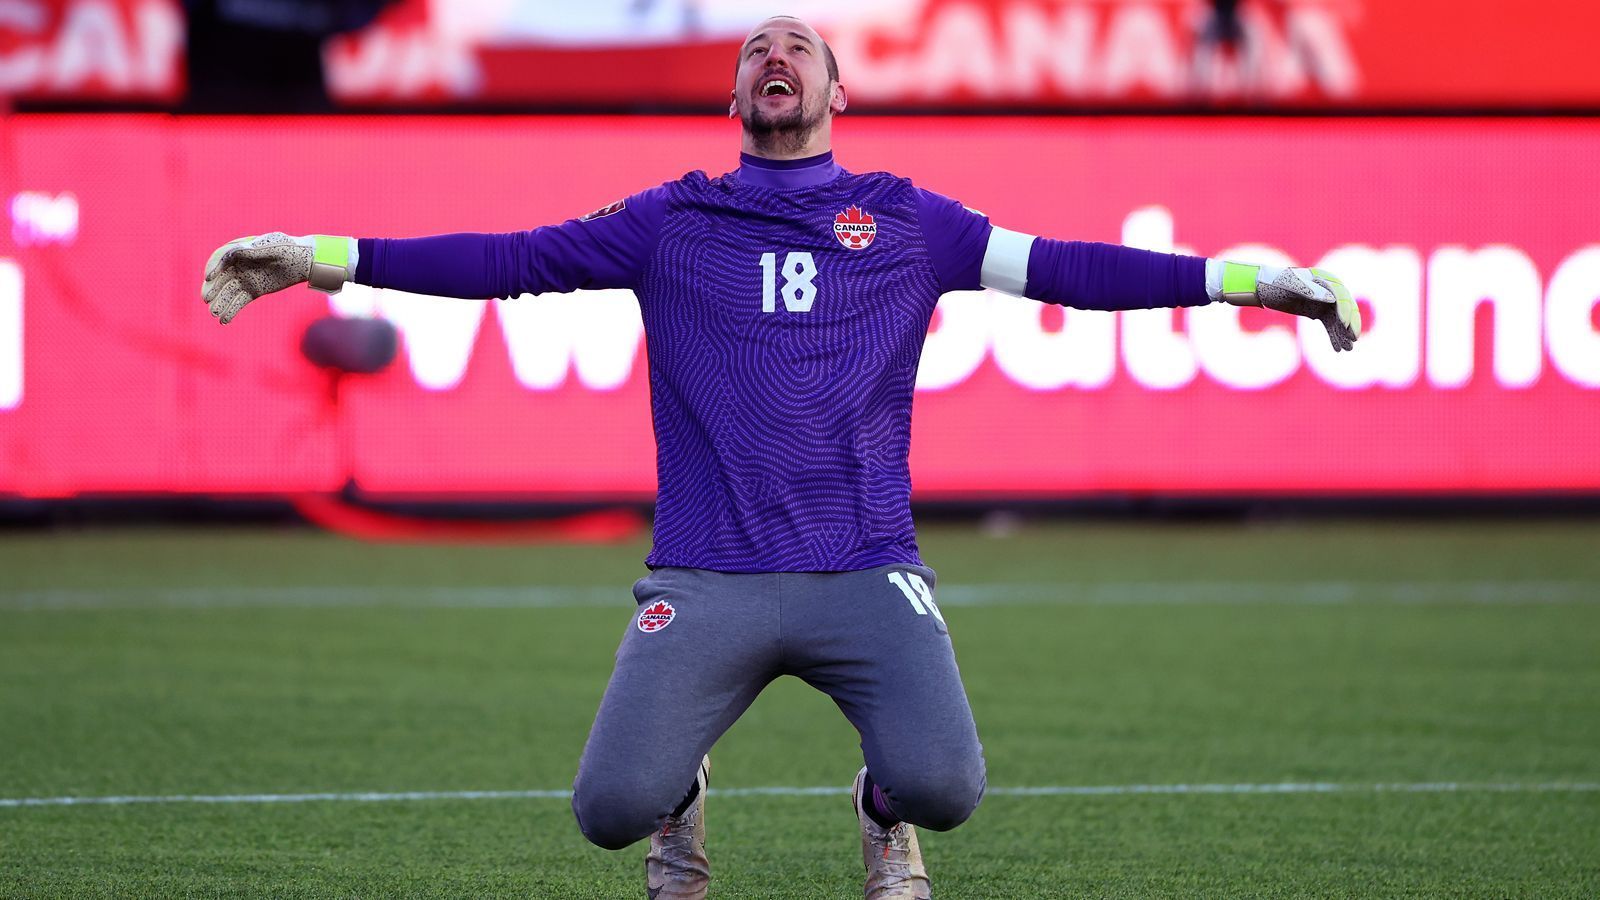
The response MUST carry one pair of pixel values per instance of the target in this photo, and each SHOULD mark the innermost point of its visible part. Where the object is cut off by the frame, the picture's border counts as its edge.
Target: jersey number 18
(798, 291)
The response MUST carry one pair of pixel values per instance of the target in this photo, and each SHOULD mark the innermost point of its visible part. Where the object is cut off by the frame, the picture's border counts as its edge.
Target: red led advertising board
(1473, 245)
(117, 50)
(988, 54)
(894, 54)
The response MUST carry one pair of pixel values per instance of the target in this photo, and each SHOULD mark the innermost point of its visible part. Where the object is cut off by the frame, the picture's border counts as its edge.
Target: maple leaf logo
(656, 616)
(853, 216)
(855, 228)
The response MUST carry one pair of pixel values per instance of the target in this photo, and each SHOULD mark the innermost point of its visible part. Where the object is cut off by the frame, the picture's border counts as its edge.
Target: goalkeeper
(785, 306)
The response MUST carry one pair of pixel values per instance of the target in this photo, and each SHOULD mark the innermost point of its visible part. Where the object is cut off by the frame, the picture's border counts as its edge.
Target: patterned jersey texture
(781, 385)
(785, 311)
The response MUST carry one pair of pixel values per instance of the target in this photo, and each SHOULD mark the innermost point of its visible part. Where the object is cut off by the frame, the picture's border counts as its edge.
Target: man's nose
(776, 54)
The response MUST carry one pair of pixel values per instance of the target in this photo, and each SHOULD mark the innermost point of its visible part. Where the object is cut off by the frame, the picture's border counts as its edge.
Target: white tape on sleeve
(1005, 261)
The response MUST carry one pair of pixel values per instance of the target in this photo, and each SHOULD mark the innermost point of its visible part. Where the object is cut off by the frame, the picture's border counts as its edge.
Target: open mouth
(776, 86)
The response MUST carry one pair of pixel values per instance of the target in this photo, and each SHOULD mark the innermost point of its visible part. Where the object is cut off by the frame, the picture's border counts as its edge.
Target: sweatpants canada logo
(854, 228)
(656, 616)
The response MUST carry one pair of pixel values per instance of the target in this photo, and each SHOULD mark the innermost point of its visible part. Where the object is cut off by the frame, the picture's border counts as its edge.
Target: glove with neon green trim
(1313, 293)
(250, 267)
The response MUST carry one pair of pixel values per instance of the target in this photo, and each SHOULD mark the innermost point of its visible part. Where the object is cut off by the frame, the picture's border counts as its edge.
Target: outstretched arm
(1089, 275)
(606, 248)
(969, 253)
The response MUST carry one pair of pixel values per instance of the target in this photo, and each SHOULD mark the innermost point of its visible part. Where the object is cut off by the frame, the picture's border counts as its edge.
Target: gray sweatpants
(702, 645)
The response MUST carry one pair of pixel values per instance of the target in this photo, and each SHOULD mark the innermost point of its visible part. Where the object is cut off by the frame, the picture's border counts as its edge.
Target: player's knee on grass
(617, 813)
(937, 798)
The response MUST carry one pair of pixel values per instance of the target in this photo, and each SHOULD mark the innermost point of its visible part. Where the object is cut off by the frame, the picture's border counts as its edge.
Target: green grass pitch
(1351, 654)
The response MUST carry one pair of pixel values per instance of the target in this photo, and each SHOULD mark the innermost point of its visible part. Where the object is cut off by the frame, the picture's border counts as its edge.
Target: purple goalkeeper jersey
(785, 306)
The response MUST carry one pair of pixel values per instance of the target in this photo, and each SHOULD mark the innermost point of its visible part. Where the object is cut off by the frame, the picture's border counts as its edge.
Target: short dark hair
(827, 55)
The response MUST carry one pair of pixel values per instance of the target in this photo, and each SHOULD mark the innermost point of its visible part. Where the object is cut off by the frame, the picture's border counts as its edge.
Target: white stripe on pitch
(1112, 593)
(1087, 790)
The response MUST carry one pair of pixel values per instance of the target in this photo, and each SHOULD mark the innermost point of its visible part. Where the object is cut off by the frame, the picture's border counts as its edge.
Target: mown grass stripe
(1087, 790)
(995, 594)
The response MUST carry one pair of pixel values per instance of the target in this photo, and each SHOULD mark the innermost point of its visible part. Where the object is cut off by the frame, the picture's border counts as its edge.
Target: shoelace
(896, 839)
(676, 852)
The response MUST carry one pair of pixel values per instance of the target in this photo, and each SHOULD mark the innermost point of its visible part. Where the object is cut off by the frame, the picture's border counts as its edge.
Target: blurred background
(380, 542)
(1442, 162)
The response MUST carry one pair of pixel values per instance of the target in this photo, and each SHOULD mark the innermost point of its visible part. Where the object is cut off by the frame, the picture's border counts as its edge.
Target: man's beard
(783, 133)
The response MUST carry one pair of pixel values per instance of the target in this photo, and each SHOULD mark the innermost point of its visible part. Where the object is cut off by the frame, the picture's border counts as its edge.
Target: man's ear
(838, 101)
(733, 104)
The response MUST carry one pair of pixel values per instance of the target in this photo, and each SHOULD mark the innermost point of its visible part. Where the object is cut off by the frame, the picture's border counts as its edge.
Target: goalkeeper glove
(244, 269)
(1313, 293)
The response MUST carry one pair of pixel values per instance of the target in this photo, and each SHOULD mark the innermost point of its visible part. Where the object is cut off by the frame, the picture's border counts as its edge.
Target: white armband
(1005, 261)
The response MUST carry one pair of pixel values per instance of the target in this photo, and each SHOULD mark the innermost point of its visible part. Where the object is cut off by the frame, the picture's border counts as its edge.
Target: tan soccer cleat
(892, 857)
(676, 868)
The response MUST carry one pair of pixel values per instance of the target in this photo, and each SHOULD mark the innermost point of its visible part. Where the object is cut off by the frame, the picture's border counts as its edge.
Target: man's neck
(787, 174)
(778, 147)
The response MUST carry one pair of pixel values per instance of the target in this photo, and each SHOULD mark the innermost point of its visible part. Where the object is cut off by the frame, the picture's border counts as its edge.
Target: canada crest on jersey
(656, 616)
(854, 228)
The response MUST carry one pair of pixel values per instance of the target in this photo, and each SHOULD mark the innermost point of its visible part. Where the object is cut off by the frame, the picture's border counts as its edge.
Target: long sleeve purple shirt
(785, 305)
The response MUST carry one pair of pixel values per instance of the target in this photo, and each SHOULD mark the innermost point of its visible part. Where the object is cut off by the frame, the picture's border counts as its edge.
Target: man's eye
(802, 49)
